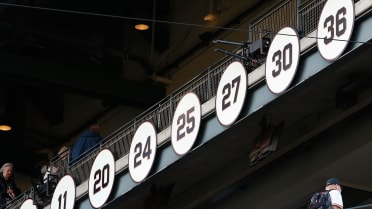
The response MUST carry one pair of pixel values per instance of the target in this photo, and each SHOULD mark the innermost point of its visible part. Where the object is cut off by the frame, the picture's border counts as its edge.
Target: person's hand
(11, 193)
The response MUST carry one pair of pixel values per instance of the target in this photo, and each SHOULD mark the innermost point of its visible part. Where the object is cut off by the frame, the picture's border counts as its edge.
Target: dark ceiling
(65, 64)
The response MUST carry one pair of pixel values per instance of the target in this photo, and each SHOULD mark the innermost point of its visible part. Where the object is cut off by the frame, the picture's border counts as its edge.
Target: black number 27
(227, 92)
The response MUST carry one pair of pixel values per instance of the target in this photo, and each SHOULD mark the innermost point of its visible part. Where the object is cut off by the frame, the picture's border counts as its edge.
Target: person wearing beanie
(335, 189)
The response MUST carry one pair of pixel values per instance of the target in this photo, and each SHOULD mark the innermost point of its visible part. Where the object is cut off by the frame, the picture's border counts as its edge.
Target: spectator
(88, 140)
(335, 188)
(52, 173)
(329, 198)
(8, 188)
(59, 164)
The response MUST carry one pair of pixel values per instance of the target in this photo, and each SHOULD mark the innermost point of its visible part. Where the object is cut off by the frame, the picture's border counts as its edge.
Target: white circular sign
(142, 151)
(231, 93)
(335, 28)
(186, 123)
(101, 178)
(28, 204)
(282, 60)
(65, 193)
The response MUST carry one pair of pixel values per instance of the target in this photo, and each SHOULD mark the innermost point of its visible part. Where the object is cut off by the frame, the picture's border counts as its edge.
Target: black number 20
(102, 178)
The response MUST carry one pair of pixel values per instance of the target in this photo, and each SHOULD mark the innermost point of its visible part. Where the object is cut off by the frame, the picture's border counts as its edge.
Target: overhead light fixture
(141, 26)
(4, 108)
(5, 127)
(5, 123)
(212, 15)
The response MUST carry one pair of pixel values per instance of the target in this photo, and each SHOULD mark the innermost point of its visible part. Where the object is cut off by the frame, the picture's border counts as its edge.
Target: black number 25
(185, 120)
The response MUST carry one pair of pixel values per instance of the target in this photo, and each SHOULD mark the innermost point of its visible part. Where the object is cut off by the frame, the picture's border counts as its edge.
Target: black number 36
(335, 25)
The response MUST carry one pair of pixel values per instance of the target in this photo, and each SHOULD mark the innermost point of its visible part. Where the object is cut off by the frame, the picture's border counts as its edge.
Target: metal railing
(289, 13)
(302, 16)
(283, 14)
(205, 86)
(309, 14)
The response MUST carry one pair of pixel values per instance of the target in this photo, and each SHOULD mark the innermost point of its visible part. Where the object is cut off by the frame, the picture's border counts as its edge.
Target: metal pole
(361, 206)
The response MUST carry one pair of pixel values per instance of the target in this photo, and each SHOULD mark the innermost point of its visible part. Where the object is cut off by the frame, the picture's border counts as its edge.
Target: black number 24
(142, 153)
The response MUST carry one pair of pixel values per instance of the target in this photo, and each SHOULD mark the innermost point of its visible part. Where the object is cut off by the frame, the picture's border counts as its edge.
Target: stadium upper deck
(229, 163)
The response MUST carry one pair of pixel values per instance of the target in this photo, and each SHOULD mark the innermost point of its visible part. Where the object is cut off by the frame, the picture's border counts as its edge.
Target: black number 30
(282, 59)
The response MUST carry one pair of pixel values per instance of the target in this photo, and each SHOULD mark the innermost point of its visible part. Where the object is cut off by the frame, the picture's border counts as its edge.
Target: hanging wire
(157, 21)
(153, 21)
(153, 32)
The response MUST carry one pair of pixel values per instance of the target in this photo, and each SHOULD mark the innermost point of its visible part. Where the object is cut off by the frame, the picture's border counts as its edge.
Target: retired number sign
(335, 28)
(231, 93)
(28, 204)
(101, 178)
(65, 193)
(186, 123)
(282, 60)
(142, 151)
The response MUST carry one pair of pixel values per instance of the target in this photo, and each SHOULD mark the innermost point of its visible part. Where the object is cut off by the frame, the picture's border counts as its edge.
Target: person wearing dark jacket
(334, 186)
(88, 140)
(8, 188)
